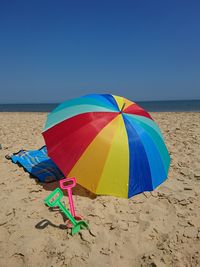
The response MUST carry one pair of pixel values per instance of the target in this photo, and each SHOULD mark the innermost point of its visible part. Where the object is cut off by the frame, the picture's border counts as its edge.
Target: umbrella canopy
(110, 144)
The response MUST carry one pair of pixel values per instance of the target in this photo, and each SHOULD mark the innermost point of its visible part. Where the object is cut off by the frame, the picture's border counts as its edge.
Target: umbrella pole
(122, 108)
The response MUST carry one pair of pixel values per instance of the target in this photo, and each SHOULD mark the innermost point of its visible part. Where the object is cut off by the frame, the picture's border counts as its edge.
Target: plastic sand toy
(54, 199)
(71, 183)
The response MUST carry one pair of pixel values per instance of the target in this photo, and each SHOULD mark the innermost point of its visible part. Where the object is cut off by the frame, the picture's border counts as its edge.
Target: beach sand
(161, 228)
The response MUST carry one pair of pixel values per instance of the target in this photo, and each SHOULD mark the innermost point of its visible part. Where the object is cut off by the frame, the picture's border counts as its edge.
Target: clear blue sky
(54, 50)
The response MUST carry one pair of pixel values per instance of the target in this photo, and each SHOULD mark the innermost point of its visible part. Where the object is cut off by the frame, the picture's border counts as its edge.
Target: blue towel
(38, 164)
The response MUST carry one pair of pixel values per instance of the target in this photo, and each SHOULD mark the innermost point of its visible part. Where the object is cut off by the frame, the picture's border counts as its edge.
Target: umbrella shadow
(49, 171)
(77, 190)
(43, 169)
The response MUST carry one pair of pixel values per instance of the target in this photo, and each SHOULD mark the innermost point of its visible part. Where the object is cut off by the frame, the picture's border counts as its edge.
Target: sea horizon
(151, 106)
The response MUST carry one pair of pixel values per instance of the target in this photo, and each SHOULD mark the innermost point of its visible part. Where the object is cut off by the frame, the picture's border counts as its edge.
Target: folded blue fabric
(38, 164)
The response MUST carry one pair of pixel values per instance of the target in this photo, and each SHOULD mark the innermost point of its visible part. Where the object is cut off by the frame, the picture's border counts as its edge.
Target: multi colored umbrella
(110, 144)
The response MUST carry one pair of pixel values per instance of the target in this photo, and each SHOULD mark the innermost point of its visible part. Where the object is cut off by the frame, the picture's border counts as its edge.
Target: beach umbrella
(110, 144)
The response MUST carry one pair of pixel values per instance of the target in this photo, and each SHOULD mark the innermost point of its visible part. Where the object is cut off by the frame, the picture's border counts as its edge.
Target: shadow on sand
(47, 171)
(44, 223)
(77, 190)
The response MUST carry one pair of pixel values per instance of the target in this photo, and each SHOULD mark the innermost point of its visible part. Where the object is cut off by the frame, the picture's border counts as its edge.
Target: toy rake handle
(67, 213)
(51, 201)
(72, 183)
(71, 203)
(57, 202)
(67, 180)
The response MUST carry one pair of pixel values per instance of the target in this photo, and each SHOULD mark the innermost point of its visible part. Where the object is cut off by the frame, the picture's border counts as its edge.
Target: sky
(143, 50)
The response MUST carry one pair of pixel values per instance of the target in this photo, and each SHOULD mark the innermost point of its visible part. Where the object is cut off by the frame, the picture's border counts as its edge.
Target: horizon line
(57, 103)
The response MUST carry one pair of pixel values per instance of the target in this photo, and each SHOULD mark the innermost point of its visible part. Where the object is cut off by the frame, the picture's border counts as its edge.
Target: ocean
(152, 106)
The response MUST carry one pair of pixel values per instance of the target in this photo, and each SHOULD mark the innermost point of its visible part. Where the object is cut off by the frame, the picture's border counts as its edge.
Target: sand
(161, 228)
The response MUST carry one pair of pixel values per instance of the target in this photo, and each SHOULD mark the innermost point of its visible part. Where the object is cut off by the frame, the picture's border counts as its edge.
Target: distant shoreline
(151, 106)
